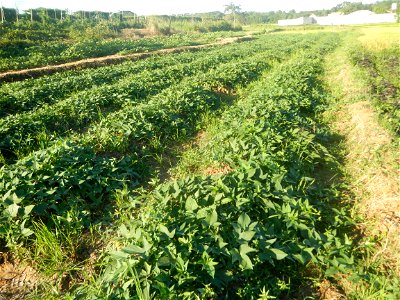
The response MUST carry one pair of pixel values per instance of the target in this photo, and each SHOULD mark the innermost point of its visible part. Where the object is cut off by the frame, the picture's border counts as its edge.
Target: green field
(220, 173)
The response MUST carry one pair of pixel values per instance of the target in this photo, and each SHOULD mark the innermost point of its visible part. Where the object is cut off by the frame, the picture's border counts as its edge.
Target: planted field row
(85, 171)
(61, 52)
(22, 133)
(71, 174)
(28, 94)
(68, 175)
(248, 233)
(32, 93)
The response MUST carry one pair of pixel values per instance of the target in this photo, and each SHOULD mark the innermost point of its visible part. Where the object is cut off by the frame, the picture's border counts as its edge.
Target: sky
(150, 7)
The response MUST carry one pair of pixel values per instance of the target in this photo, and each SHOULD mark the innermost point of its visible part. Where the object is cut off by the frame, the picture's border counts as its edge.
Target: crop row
(28, 94)
(23, 133)
(248, 233)
(71, 174)
(85, 171)
(61, 52)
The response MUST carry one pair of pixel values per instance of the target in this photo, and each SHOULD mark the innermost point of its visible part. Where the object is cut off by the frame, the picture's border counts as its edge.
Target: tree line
(232, 13)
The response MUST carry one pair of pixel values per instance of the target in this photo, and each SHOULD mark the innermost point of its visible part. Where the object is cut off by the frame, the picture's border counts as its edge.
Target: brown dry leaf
(329, 292)
(218, 170)
(17, 281)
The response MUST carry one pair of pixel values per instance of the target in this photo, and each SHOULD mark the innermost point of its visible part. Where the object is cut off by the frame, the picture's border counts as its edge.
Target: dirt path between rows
(10, 76)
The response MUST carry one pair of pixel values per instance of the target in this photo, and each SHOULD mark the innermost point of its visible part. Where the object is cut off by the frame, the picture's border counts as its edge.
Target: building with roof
(298, 21)
(357, 17)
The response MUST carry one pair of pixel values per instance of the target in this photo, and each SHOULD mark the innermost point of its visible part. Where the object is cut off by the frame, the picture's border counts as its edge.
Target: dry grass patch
(222, 169)
(327, 291)
(372, 164)
(17, 280)
(380, 37)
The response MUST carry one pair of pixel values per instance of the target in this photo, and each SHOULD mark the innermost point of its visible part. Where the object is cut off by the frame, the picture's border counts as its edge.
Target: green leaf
(235, 255)
(181, 266)
(177, 189)
(251, 173)
(119, 254)
(279, 254)
(245, 248)
(12, 210)
(164, 261)
(244, 220)
(247, 235)
(146, 245)
(218, 197)
(123, 231)
(331, 271)
(212, 218)
(26, 232)
(277, 179)
(133, 249)
(165, 230)
(28, 209)
(246, 263)
(11, 198)
(221, 243)
(191, 204)
(7, 195)
(127, 284)
(304, 257)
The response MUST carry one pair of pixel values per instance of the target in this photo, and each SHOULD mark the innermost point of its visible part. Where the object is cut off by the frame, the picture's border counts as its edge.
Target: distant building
(298, 21)
(357, 17)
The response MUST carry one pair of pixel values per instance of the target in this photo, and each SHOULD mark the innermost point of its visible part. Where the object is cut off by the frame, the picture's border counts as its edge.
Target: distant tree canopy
(232, 8)
(232, 12)
(349, 7)
(383, 6)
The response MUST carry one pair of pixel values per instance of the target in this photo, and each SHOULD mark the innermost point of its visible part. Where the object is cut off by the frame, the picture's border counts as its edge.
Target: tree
(348, 7)
(382, 7)
(233, 10)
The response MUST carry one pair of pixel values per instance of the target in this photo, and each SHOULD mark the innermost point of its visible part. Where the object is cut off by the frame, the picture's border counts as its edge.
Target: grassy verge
(371, 166)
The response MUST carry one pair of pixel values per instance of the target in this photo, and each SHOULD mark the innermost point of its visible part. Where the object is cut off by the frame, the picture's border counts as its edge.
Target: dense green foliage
(86, 148)
(25, 132)
(56, 52)
(46, 178)
(382, 71)
(252, 231)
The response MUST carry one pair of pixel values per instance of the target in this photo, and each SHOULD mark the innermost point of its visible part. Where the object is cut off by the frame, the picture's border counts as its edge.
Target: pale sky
(148, 7)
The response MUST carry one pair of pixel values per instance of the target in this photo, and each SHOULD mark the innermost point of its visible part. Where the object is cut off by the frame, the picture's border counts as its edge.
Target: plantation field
(57, 52)
(214, 174)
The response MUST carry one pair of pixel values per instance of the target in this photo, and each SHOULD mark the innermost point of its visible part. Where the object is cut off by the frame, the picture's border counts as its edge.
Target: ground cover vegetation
(382, 71)
(207, 174)
(41, 36)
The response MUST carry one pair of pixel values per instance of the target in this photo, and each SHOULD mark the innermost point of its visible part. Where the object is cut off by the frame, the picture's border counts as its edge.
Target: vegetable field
(196, 175)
